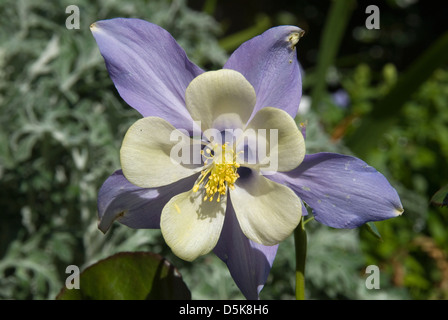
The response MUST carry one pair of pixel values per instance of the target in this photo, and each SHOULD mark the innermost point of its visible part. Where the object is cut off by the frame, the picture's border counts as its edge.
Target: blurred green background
(379, 94)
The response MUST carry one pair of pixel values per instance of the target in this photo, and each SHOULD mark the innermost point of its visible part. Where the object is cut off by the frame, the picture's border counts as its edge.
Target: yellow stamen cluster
(222, 173)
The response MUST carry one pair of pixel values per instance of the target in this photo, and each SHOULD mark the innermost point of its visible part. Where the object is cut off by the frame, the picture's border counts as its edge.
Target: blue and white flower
(224, 203)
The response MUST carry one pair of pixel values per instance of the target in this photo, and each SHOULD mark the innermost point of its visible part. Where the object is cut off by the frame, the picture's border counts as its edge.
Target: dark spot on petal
(244, 172)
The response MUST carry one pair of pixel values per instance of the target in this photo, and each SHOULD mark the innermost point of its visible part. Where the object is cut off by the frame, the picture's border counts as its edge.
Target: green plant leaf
(373, 230)
(335, 26)
(440, 198)
(129, 276)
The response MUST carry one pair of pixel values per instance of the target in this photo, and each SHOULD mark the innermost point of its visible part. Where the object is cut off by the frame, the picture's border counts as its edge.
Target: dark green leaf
(373, 230)
(440, 198)
(129, 276)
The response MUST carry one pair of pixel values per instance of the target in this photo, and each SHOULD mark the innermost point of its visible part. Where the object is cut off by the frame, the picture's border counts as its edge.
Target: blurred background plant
(379, 94)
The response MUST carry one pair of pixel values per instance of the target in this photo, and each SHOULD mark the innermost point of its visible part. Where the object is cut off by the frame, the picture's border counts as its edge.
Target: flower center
(222, 173)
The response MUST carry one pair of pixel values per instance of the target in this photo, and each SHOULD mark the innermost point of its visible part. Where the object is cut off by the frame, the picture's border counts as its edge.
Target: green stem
(300, 242)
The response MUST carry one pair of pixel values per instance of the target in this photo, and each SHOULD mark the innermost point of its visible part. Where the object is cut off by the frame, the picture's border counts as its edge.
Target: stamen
(222, 172)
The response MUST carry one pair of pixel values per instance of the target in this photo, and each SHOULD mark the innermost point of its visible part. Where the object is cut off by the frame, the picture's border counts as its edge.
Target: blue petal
(249, 263)
(136, 207)
(149, 69)
(269, 62)
(343, 191)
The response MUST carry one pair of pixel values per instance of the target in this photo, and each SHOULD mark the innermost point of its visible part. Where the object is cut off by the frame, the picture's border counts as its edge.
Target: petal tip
(105, 224)
(294, 37)
(102, 227)
(399, 211)
(93, 27)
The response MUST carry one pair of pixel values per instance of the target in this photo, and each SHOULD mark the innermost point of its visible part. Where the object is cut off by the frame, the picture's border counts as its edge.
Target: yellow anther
(222, 172)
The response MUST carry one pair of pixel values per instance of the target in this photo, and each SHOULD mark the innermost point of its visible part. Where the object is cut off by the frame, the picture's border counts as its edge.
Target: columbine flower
(238, 208)
(191, 222)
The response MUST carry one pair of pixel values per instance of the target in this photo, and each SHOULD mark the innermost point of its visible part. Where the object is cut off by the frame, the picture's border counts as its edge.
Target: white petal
(221, 99)
(190, 226)
(267, 212)
(275, 142)
(146, 157)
